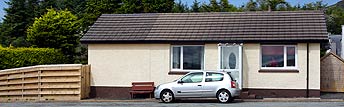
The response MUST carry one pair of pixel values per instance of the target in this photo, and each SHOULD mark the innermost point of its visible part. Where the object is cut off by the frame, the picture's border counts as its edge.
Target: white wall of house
(211, 55)
(314, 65)
(118, 65)
(270, 80)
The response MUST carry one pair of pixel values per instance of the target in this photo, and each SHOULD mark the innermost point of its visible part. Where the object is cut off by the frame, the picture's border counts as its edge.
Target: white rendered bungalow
(272, 54)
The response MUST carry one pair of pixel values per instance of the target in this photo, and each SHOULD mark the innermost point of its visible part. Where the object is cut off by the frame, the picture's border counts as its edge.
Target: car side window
(193, 78)
(213, 77)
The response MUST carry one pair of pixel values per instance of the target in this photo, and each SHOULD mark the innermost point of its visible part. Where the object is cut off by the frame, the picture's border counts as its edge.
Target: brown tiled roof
(301, 26)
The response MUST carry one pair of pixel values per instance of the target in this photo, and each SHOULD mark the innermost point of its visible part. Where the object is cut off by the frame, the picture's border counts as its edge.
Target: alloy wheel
(224, 96)
(167, 97)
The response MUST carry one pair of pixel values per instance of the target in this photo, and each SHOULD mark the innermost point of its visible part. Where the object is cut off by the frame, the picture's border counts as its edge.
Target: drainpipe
(307, 78)
(342, 43)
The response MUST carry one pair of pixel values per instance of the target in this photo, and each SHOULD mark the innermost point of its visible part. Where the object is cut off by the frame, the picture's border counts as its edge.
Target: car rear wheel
(166, 96)
(224, 96)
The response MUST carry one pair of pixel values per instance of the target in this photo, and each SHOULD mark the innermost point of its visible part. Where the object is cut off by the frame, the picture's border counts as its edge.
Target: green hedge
(21, 57)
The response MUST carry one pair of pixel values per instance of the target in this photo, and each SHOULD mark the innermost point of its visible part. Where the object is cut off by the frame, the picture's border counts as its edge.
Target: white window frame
(182, 59)
(284, 58)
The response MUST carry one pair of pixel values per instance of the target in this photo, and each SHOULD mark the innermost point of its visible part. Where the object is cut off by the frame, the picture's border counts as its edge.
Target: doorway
(230, 59)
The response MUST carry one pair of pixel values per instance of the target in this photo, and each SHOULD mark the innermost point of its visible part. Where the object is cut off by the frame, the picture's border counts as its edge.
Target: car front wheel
(166, 96)
(224, 96)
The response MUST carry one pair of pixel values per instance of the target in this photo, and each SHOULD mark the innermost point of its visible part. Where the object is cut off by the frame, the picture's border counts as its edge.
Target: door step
(247, 95)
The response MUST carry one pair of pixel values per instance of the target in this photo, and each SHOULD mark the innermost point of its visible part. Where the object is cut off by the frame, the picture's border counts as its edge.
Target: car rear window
(230, 75)
(213, 77)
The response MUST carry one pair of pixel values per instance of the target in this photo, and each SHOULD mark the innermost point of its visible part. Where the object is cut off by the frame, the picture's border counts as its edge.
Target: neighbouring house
(336, 43)
(271, 54)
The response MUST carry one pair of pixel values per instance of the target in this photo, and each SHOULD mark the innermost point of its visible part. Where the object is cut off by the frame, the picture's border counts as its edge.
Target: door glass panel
(193, 78)
(229, 57)
(232, 61)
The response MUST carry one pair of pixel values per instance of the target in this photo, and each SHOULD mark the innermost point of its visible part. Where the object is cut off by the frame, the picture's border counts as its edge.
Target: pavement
(331, 95)
(214, 100)
(238, 100)
(205, 100)
(181, 103)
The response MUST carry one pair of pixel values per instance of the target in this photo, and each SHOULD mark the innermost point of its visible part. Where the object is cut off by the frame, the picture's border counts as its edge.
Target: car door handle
(199, 85)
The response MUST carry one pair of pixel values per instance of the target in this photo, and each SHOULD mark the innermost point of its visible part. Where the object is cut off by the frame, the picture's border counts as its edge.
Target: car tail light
(233, 84)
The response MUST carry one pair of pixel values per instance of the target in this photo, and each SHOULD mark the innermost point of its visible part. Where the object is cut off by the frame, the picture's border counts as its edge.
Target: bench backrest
(142, 86)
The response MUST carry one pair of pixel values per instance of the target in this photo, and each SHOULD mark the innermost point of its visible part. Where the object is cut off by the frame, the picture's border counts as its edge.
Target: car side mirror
(180, 81)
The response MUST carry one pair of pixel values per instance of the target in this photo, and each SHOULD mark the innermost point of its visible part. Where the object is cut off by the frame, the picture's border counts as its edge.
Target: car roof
(209, 71)
(225, 72)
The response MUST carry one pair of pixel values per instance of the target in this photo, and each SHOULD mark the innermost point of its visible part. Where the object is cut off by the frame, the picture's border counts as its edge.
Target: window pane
(290, 56)
(193, 78)
(176, 58)
(192, 57)
(272, 56)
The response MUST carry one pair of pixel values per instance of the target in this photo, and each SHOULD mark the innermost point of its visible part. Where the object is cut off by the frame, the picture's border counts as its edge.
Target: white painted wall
(254, 79)
(211, 56)
(121, 64)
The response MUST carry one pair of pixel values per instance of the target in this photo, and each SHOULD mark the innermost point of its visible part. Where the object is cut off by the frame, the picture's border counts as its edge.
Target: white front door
(230, 57)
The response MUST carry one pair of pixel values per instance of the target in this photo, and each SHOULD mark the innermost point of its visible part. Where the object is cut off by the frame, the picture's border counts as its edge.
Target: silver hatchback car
(202, 84)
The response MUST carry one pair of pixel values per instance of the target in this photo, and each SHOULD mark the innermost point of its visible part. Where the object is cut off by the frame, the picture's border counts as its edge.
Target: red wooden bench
(142, 88)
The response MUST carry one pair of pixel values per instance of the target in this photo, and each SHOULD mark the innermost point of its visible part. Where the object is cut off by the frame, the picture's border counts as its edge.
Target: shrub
(20, 57)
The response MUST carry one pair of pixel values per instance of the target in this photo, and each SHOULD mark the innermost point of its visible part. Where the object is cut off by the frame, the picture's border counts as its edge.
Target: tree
(157, 6)
(179, 7)
(318, 5)
(214, 6)
(251, 6)
(94, 8)
(205, 8)
(271, 4)
(146, 6)
(335, 18)
(130, 6)
(226, 7)
(195, 7)
(77, 7)
(56, 29)
(20, 14)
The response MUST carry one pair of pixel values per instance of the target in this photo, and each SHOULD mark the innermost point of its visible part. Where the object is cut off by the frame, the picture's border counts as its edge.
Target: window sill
(178, 72)
(278, 71)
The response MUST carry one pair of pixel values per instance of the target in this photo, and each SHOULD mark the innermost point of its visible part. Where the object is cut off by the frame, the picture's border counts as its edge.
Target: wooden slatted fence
(45, 82)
